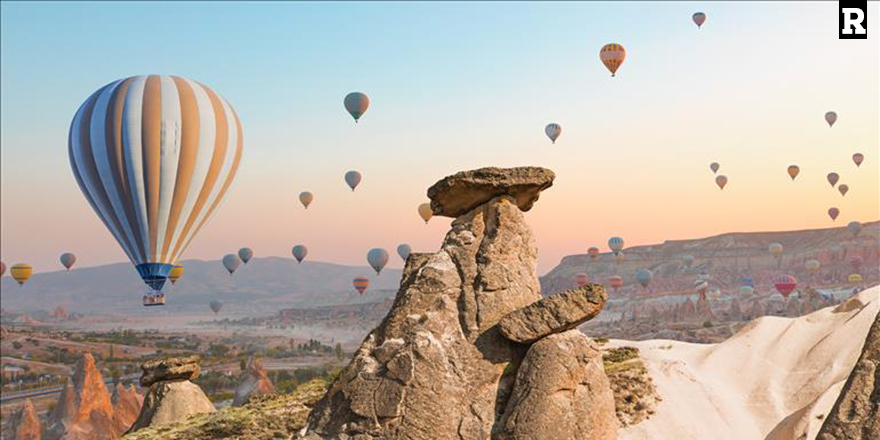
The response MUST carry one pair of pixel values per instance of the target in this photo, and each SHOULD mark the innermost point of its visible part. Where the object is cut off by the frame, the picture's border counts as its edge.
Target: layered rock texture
(171, 396)
(560, 312)
(24, 424)
(438, 367)
(254, 382)
(84, 410)
(856, 414)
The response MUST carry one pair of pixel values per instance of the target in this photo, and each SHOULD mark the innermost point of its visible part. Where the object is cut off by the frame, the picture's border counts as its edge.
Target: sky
(457, 86)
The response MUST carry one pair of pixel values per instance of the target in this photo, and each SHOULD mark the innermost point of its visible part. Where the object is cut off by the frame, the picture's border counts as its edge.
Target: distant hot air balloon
(785, 284)
(858, 158)
(352, 178)
(553, 131)
(2, 268)
(356, 104)
(776, 249)
(854, 278)
(299, 252)
(793, 171)
(231, 262)
(67, 260)
(581, 279)
(21, 272)
(831, 118)
(721, 181)
(644, 277)
(833, 178)
(843, 188)
(812, 266)
(615, 244)
(245, 254)
(612, 56)
(360, 284)
(215, 306)
(175, 273)
(855, 262)
(833, 213)
(699, 19)
(746, 290)
(854, 228)
(688, 260)
(425, 212)
(154, 155)
(593, 252)
(306, 198)
(615, 281)
(377, 257)
(714, 166)
(404, 250)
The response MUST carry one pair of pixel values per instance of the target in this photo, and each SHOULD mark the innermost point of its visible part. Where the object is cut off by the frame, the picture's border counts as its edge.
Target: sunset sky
(457, 86)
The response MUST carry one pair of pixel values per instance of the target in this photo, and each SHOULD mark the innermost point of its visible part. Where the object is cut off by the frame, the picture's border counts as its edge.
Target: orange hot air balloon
(593, 252)
(793, 171)
(858, 158)
(175, 273)
(721, 181)
(612, 56)
(425, 212)
(360, 284)
(833, 213)
(581, 279)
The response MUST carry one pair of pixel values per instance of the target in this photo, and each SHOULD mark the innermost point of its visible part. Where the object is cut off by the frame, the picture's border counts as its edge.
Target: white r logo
(852, 19)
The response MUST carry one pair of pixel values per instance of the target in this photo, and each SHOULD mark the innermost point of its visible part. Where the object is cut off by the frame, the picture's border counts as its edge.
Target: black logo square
(853, 19)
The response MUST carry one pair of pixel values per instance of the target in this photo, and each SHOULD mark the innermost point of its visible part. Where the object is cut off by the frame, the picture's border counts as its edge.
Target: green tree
(339, 353)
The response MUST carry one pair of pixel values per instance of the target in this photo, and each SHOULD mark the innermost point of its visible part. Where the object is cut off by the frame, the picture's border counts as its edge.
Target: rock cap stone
(553, 314)
(461, 192)
(176, 368)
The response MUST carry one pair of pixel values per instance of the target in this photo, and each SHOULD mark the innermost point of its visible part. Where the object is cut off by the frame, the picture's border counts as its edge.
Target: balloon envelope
(746, 290)
(306, 198)
(581, 279)
(361, 284)
(67, 260)
(231, 262)
(378, 258)
(612, 56)
(245, 254)
(553, 131)
(831, 118)
(356, 104)
(154, 155)
(854, 278)
(699, 18)
(785, 284)
(21, 272)
(854, 228)
(776, 248)
(425, 212)
(593, 252)
(615, 244)
(813, 265)
(843, 188)
(644, 277)
(300, 252)
(833, 213)
(833, 178)
(352, 178)
(615, 281)
(215, 306)
(721, 181)
(793, 171)
(714, 166)
(404, 250)
(858, 158)
(175, 273)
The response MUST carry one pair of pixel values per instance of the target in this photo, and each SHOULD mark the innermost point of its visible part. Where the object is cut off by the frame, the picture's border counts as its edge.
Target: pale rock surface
(171, 396)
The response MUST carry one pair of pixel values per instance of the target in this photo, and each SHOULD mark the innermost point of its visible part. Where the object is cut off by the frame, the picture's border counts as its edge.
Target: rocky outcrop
(561, 393)
(24, 424)
(856, 414)
(458, 194)
(126, 406)
(437, 367)
(84, 410)
(171, 396)
(254, 382)
(553, 314)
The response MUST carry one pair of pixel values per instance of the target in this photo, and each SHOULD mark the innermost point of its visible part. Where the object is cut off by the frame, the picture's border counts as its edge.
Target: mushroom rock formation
(83, 410)
(171, 396)
(438, 367)
(23, 424)
(254, 382)
(856, 414)
(126, 405)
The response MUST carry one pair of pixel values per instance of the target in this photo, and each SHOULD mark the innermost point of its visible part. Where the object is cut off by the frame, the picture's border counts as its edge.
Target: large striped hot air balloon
(361, 284)
(612, 56)
(785, 284)
(154, 155)
(21, 272)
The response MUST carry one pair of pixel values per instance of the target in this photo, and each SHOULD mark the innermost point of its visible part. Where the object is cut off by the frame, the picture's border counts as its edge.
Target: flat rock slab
(553, 314)
(178, 368)
(459, 193)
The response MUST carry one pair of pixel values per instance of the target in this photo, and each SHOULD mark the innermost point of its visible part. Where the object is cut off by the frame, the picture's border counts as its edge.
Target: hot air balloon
(615, 244)
(231, 262)
(216, 305)
(67, 260)
(615, 282)
(2, 268)
(306, 198)
(855, 262)
(360, 284)
(612, 56)
(843, 188)
(833, 178)
(699, 19)
(352, 178)
(21, 272)
(721, 181)
(356, 104)
(854, 228)
(581, 279)
(831, 118)
(175, 273)
(425, 212)
(812, 265)
(593, 252)
(854, 278)
(833, 213)
(746, 290)
(688, 260)
(299, 252)
(245, 254)
(793, 171)
(714, 166)
(154, 155)
(858, 158)
(553, 131)
(404, 250)
(644, 277)
(377, 257)
(776, 249)
(785, 284)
